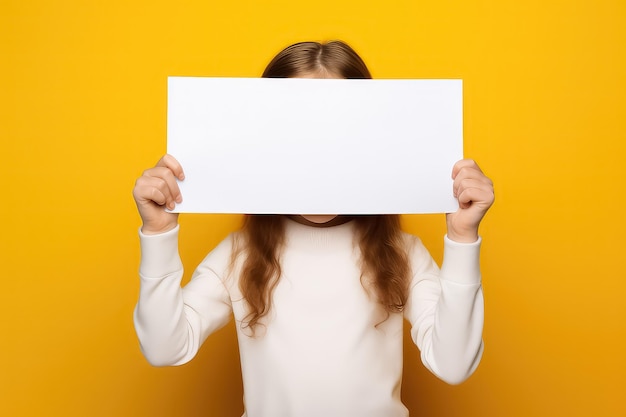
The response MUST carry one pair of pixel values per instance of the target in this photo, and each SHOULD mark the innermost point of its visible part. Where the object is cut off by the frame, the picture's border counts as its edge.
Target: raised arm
(172, 322)
(446, 308)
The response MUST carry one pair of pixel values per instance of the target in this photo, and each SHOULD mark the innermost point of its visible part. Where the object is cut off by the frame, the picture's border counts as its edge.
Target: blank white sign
(315, 146)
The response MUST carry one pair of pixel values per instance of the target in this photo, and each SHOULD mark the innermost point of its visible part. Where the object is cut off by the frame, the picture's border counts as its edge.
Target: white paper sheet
(315, 146)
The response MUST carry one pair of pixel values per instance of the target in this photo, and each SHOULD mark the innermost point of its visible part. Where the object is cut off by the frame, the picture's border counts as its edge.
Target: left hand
(474, 192)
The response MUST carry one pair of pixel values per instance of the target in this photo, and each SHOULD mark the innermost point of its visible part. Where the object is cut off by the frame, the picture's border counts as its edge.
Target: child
(319, 301)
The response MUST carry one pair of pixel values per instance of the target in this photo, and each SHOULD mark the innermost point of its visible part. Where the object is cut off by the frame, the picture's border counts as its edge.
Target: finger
(156, 190)
(461, 182)
(146, 195)
(480, 197)
(472, 174)
(464, 163)
(157, 196)
(168, 161)
(169, 181)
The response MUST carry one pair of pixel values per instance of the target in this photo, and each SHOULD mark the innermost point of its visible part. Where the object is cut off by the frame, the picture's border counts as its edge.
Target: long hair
(384, 261)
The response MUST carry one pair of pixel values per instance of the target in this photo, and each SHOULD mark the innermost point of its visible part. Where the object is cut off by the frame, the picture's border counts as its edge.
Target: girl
(319, 301)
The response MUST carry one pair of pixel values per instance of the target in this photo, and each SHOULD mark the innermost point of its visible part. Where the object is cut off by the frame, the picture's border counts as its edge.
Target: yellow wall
(82, 113)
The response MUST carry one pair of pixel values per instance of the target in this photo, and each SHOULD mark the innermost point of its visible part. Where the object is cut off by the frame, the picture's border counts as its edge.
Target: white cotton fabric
(326, 348)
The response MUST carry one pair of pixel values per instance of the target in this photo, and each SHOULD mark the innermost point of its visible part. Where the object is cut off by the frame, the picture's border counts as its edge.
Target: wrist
(464, 236)
(157, 230)
(461, 231)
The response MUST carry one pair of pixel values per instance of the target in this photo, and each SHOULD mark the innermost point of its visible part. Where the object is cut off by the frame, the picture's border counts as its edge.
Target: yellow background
(82, 113)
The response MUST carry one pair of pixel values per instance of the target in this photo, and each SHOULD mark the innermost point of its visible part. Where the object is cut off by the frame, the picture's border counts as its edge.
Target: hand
(157, 190)
(474, 192)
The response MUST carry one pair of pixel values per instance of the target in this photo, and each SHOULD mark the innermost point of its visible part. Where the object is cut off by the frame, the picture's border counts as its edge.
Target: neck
(336, 221)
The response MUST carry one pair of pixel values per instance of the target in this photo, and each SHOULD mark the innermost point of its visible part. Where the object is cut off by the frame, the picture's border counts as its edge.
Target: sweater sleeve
(446, 310)
(172, 322)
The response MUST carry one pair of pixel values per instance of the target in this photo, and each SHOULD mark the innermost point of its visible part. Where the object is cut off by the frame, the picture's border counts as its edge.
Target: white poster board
(315, 146)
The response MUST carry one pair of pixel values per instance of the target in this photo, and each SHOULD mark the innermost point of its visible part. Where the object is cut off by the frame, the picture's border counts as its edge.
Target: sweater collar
(311, 237)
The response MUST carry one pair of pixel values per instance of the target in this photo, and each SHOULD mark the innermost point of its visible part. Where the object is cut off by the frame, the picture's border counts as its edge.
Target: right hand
(157, 190)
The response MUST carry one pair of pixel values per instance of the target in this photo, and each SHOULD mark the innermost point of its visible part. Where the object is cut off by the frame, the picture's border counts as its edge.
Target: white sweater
(325, 349)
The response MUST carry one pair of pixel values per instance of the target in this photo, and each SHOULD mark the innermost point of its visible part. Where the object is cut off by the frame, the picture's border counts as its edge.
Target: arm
(446, 308)
(171, 322)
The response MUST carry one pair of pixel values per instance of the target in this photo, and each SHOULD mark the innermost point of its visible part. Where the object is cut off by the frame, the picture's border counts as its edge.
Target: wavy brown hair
(385, 270)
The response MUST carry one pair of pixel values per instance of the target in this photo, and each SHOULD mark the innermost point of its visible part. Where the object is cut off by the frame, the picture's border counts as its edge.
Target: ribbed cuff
(461, 261)
(159, 254)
